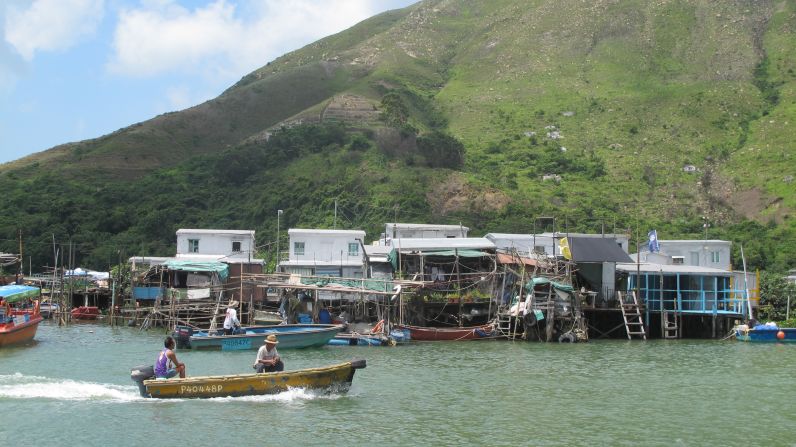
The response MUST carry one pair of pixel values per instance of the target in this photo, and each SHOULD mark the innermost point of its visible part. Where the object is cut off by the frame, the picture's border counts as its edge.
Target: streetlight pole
(278, 213)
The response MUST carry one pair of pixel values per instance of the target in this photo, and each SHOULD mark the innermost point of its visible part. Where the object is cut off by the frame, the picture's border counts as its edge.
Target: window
(235, 246)
(539, 249)
(353, 249)
(298, 248)
(714, 257)
(193, 245)
(678, 260)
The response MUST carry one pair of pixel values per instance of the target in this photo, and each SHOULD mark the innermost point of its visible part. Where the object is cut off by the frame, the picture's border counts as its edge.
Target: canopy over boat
(14, 293)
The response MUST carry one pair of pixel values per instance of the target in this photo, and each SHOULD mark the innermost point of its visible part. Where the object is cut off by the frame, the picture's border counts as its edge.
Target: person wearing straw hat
(268, 359)
(231, 322)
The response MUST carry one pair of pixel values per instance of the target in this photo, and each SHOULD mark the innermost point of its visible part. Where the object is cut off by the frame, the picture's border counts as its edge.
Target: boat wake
(289, 396)
(19, 386)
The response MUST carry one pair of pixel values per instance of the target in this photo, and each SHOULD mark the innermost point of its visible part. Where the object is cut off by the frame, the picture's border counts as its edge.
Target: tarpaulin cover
(539, 280)
(464, 253)
(14, 293)
(586, 249)
(376, 286)
(199, 266)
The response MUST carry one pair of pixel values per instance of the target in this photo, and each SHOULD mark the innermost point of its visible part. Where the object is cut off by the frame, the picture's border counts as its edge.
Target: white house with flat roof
(315, 252)
(230, 246)
(421, 231)
(698, 253)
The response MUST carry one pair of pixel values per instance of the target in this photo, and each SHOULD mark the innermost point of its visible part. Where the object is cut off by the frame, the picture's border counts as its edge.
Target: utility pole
(335, 214)
(278, 213)
(19, 274)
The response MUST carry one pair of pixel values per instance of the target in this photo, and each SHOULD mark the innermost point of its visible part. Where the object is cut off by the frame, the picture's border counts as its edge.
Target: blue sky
(71, 70)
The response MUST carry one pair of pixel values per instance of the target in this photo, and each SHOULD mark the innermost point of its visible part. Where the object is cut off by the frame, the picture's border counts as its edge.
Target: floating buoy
(780, 335)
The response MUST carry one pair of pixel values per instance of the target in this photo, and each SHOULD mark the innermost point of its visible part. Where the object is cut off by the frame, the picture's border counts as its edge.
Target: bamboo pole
(459, 285)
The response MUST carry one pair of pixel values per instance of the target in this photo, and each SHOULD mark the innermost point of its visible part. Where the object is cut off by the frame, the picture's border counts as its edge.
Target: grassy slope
(651, 87)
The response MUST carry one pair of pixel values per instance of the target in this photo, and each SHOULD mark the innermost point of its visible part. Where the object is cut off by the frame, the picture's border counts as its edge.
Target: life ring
(379, 327)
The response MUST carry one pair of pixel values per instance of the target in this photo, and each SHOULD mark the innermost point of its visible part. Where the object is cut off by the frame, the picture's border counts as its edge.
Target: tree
(441, 150)
(774, 293)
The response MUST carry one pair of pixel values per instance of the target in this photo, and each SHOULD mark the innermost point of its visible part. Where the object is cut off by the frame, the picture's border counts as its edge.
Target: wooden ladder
(670, 327)
(631, 314)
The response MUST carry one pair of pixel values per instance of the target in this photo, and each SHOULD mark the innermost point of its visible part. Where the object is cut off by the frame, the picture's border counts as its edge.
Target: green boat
(290, 336)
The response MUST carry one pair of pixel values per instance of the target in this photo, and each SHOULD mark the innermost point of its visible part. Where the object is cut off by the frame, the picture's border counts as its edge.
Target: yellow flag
(563, 247)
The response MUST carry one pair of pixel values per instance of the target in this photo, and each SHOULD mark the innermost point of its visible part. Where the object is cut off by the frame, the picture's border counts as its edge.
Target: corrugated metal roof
(590, 249)
(442, 243)
(206, 231)
(646, 267)
(311, 263)
(414, 226)
(318, 231)
(219, 258)
(530, 236)
(692, 241)
(514, 237)
(377, 250)
(504, 258)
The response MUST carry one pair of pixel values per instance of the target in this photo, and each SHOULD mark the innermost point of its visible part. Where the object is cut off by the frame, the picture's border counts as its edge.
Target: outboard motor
(141, 373)
(183, 334)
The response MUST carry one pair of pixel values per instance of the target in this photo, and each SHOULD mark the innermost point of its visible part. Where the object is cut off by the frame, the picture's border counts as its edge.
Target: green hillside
(623, 116)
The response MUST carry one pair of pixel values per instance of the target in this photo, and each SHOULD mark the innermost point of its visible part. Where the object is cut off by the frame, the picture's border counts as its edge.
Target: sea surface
(72, 387)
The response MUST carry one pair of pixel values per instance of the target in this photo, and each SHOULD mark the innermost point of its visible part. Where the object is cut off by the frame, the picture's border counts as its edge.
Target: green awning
(540, 280)
(15, 293)
(366, 284)
(200, 266)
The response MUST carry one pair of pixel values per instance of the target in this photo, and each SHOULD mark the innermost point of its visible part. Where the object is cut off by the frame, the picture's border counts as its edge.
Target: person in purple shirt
(167, 365)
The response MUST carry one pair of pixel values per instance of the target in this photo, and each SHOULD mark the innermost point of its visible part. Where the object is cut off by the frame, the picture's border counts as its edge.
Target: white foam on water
(19, 386)
(291, 395)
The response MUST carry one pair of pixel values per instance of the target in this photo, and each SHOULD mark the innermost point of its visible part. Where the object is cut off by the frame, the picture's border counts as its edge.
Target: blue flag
(653, 241)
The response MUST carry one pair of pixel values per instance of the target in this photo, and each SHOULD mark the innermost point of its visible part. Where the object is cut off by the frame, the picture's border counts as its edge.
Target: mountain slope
(604, 114)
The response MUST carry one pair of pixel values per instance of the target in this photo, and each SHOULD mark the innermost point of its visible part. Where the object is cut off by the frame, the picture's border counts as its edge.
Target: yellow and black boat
(336, 378)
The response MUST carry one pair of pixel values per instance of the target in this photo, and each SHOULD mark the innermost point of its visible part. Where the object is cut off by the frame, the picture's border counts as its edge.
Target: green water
(72, 387)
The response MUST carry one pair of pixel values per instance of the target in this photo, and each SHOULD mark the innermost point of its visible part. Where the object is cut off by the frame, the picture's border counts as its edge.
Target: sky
(72, 70)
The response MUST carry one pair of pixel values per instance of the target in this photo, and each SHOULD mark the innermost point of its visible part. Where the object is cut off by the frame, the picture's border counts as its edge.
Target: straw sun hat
(271, 339)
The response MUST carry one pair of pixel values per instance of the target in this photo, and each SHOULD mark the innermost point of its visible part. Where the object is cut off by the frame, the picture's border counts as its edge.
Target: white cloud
(220, 39)
(179, 98)
(49, 25)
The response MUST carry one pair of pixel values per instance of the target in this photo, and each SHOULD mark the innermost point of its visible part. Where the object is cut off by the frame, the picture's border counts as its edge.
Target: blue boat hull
(290, 336)
(766, 335)
(359, 340)
(353, 339)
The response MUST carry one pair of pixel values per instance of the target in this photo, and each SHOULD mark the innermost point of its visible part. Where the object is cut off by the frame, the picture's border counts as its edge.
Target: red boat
(85, 313)
(419, 333)
(18, 324)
